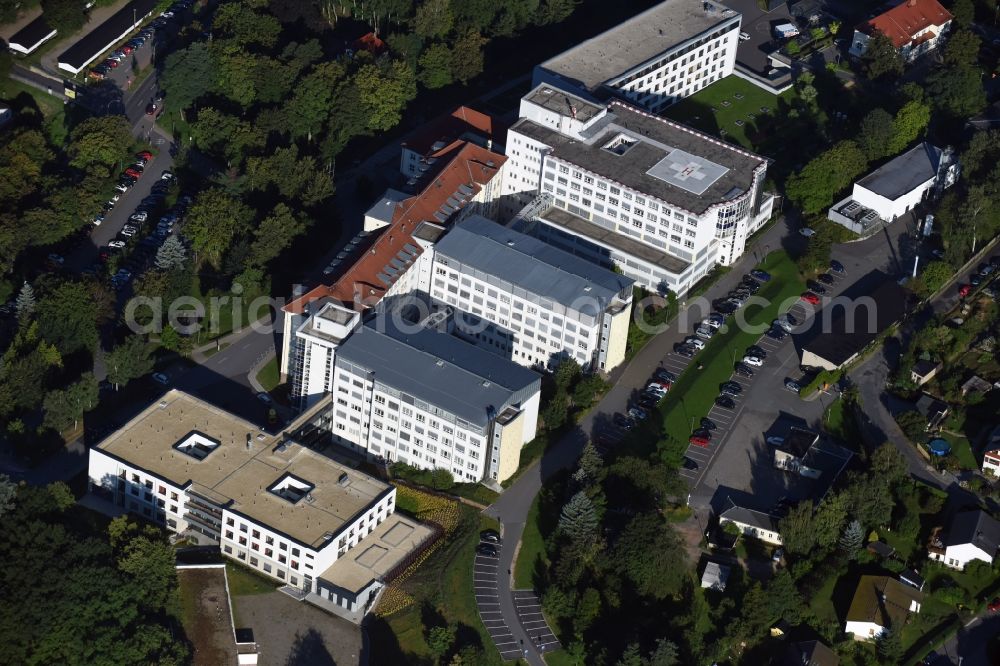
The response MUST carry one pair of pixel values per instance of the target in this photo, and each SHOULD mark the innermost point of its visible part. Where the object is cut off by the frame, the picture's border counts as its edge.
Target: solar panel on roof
(452, 201)
(465, 189)
(384, 279)
(411, 248)
(396, 263)
(440, 217)
(392, 272)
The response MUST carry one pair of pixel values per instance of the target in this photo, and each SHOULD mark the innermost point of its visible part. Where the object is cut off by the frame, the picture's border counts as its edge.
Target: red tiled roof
(369, 42)
(902, 22)
(447, 129)
(360, 287)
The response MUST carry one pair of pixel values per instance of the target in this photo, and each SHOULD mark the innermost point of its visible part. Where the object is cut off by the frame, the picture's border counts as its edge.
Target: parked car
(836, 266)
(117, 244)
(776, 333)
(129, 230)
(726, 402)
(703, 432)
(637, 413)
(144, 154)
(964, 290)
(264, 398)
(690, 464)
(792, 385)
(132, 171)
(731, 388)
(656, 389)
(665, 375)
(744, 35)
(763, 276)
(727, 308)
(139, 216)
(754, 350)
(704, 332)
(994, 605)
(708, 423)
(810, 297)
(753, 361)
(699, 441)
(695, 342)
(486, 550)
(623, 421)
(489, 536)
(816, 287)
(783, 325)
(161, 378)
(56, 259)
(743, 370)
(167, 176)
(807, 232)
(825, 278)
(121, 187)
(151, 109)
(685, 351)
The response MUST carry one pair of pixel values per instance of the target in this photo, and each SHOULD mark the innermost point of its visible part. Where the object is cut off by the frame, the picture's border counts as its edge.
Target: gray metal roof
(904, 173)
(438, 368)
(728, 170)
(536, 267)
(383, 209)
(976, 527)
(752, 517)
(641, 38)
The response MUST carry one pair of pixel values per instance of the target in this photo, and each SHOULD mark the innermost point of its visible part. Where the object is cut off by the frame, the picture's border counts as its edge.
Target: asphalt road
(511, 509)
(970, 646)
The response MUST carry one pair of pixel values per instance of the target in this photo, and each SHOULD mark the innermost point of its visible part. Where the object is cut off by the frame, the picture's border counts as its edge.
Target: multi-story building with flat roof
(466, 181)
(419, 150)
(530, 301)
(415, 395)
(660, 201)
(670, 51)
(268, 502)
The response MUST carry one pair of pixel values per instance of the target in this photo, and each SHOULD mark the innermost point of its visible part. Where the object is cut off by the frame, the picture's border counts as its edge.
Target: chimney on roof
(912, 3)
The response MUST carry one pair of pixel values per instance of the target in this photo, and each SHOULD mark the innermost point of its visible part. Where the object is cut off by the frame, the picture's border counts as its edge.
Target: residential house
(803, 452)
(923, 371)
(880, 603)
(991, 453)
(810, 653)
(896, 188)
(752, 523)
(932, 409)
(715, 576)
(914, 27)
(977, 384)
(971, 535)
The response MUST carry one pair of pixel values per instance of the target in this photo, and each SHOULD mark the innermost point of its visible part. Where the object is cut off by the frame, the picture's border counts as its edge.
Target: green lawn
(532, 550)
(52, 108)
(476, 492)
(442, 588)
(962, 450)
(697, 112)
(269, 376)
(244, 582)
(695, 391)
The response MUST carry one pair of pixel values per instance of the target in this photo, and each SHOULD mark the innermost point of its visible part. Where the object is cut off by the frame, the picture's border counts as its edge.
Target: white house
(972, 535)
(752, 523)
(880, 603)
(914, 27)
(670, 51)
(896, 187)
(661, 202)
(991, 453)
(529, 301)
(266, 501)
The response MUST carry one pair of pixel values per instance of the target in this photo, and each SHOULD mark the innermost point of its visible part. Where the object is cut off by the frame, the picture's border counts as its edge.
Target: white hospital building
(670, 51)
(265, 500)
(415, 395)
(658, 200)
(530, 301)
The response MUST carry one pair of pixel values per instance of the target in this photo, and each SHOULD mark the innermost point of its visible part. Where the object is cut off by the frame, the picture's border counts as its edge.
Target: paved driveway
(294, 633)
(485, 582)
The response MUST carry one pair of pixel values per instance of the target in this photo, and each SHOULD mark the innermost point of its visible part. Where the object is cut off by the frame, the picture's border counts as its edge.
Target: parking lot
(486, 587)
(529, 614)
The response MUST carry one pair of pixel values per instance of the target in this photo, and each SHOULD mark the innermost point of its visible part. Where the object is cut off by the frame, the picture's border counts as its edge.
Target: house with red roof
(914, 27)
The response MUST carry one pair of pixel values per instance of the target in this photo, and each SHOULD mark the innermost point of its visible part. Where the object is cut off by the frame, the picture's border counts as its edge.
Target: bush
(436, 479)
(824, 377)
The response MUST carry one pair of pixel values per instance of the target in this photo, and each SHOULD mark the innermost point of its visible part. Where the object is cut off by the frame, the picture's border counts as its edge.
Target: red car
(132, 172)
(146, 155)
(994, 605)
(810, 297)
(127, 49)
(699, 441)
(964, 290)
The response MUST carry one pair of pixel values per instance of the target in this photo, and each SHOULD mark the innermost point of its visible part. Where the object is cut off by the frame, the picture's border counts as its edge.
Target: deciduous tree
(881, 60)
(434, 18)
(825, 176)
(129, 360)
(876, 134)
(65, 407)
(100, 143)
(435, 66)
(650, 554)
(214, 220)
(384, 92)
(467, 56)
(909, 124)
